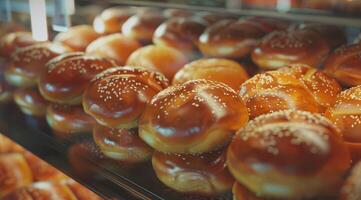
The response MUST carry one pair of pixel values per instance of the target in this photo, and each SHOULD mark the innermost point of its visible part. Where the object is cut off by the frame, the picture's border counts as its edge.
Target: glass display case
(77, 155)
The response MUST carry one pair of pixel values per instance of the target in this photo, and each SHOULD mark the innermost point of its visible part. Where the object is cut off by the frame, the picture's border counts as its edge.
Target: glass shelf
(235, 7)
(78, 157)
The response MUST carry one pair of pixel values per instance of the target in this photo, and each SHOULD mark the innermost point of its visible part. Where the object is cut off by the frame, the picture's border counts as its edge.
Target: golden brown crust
(42, 171)
(142, 25)
(181, 33)
(195, 117)
(290, 155)
(28, 62)
(204, 174)
(276, 90)
(14, 173)
(30, 101)
(229, 38)
(12, 41)
(214, 69)
(117, 96)
(343, 64)
(281, 48)
(323, 87)
(346, 114)
(65, 77)
(163, 59)
(121, 144)
(114, 47)
(42, 191)
(69, 119)
(111, 20)
(77, 37)
(8, 146)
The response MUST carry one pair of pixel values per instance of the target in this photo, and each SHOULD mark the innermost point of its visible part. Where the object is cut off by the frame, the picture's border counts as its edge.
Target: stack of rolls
(24, 176)
(8, 44)
(116, 83)
(23, 71)
(116, 98)
(62, 83)
(189, 125)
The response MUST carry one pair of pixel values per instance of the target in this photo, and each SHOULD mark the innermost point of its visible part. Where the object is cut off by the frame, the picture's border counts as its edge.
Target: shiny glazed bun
(69, 119)
(28, 62)
(346, 115)
(276, 90)
(12, 41)
(14, 173)
(204, 174)
(289, 155)
(281, 48)
(42, 171)
(215, 69)
(242, 193)
(344, 64)
(121, 144)
(181, 33)
(114, 47)
(142, 25)
(163, 59)
(229, 38)
(6, 92)
(42, 191)
(65, 77)
(117, 96)
(323, 87)
(351, 189)
(77, 37)
(30, 101)
(195, 117)
(334, 35)
(111, 20)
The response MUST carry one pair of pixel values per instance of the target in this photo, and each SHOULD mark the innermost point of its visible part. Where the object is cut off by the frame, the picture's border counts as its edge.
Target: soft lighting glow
(38, 20)
(283, 5)
(69, 7)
